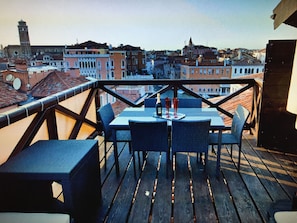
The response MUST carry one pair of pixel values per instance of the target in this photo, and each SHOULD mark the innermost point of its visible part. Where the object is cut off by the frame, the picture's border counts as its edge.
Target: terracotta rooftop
(9, 96)
(56, 82)
(245, 98)
(89, 45)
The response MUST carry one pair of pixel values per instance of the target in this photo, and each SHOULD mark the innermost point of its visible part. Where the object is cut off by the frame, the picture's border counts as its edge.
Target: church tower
(24, 39)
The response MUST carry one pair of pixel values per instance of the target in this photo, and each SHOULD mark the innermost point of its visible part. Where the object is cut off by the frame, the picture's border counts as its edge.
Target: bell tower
(24, 39)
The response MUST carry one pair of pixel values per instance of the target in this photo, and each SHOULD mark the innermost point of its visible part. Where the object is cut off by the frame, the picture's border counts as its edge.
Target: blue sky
(151, 24)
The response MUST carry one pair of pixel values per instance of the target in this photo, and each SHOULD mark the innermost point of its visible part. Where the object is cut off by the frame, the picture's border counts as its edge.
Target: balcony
(192, 195)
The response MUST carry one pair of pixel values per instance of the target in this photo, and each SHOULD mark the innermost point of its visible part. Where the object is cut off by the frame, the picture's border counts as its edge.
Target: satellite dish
(17, 83)
(9, 77)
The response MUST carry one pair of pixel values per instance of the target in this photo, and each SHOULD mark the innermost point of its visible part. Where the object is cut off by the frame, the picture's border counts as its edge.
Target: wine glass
(175, 106)
(167, 104)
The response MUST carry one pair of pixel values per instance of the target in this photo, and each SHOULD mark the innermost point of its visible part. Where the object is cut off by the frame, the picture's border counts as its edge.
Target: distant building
(118, 64)
(245, 64)
(28, 52)
(90, 58)
(135, 59)
(242, 69)
(192, 51)
(55, 60)
(207, 68)
(24, 40)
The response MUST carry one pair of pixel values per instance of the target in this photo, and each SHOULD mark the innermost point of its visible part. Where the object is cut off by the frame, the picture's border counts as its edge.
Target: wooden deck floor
(191, 195)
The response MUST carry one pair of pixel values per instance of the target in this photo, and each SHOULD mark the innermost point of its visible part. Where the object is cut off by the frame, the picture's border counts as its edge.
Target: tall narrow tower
(24, 39)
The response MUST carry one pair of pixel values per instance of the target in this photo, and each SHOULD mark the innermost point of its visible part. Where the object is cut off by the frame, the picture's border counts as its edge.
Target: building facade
(206, 71)
(118, 64)
(243, 69)
(135, 59)
(90, 58)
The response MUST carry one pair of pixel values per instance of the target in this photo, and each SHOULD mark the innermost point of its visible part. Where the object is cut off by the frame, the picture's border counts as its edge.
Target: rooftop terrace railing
(71, 114)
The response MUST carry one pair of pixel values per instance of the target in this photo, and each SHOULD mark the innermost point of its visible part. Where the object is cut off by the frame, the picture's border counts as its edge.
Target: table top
(49, 157)
(147, 114)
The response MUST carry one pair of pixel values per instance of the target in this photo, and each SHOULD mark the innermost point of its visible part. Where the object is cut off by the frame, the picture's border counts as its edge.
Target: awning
(285, 12)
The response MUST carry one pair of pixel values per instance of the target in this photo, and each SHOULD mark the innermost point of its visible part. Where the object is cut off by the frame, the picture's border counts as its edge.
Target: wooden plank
(119, 207)
(224, 206)
(232, 193)
(289, 169)
(106, 168)
(162, 206)
(183, 207)
(287, 161)
(253, 174)
(143, 201)
(243, 202)
(204, 206)
(262, 169)
(117, 190)
(279, 175)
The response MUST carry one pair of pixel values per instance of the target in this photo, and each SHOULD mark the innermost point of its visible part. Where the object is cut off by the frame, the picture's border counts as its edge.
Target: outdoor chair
(149, 136)
(189, 103)
(151, 102)
(235, 136)
(190, 136)
(106, 115)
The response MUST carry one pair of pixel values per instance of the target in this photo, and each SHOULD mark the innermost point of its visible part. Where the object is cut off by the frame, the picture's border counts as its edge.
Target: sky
(149, 24)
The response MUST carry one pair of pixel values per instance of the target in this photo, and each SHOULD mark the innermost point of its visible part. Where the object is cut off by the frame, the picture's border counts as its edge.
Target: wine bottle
(158, 106)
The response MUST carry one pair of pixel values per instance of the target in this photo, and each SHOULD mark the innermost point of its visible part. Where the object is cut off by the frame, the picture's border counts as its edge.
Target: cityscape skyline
(153, 25)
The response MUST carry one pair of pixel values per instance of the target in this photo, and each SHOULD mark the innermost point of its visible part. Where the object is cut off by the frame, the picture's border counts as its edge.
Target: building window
(235, 71)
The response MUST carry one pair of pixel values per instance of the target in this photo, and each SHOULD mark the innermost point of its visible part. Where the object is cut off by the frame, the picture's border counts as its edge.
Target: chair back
(151, 102)
(189, 102)
(239, 118)
(190, 135)
(149, 136)
(106, 115)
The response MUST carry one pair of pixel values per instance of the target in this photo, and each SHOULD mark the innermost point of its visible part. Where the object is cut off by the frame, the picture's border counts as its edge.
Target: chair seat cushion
(123, 135)
(285, 216)
(227, 138)
(17, 217)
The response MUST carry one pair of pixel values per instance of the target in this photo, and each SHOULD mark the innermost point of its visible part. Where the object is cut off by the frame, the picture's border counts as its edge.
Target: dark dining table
(121, 122)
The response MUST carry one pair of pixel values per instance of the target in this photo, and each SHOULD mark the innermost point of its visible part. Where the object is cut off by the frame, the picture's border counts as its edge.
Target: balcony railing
(71, 114)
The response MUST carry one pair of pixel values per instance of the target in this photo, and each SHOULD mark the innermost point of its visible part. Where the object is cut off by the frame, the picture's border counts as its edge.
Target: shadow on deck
(191, 195)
